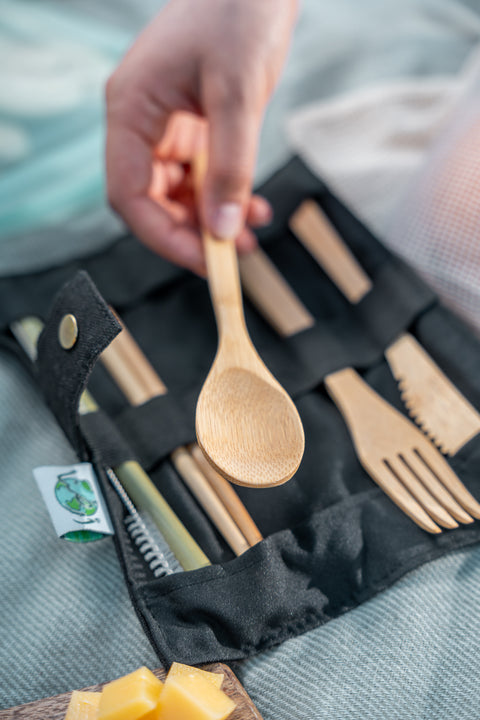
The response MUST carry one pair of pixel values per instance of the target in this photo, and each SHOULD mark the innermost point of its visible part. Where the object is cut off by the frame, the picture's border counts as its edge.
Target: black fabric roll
(333, 539)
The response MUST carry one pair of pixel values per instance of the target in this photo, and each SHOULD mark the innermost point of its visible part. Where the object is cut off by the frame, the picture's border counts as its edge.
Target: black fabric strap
(106, 444)
(159, 426)
(63, 374)
(397, 299)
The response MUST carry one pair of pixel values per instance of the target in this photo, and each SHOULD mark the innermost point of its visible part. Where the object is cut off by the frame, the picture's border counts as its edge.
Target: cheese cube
(178, 669)
(191, 696)
(130, 697)
(83, 705)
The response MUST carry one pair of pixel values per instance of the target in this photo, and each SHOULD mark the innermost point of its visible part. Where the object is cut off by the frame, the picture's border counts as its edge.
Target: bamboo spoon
(139, 382)
(246, 424)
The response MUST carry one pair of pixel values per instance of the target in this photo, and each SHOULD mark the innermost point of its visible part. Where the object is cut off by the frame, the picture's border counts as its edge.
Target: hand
(200, 75)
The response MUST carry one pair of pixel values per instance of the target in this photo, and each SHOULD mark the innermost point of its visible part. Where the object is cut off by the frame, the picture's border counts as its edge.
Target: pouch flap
(63, 373)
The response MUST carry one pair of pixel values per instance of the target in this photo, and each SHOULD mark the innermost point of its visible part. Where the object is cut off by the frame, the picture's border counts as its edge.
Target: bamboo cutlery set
(248, 429)
(396, 454)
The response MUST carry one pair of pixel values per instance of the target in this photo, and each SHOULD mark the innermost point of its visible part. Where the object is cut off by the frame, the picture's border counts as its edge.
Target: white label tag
(73, 498)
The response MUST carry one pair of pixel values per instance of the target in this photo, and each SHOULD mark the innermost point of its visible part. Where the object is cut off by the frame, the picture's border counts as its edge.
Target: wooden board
(54, 708)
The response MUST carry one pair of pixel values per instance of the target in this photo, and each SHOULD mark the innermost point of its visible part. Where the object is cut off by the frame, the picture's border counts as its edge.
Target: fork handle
(367, 417)
(355, 400)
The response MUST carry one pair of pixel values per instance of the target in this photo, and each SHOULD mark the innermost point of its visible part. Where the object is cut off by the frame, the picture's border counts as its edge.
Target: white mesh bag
(436, 226)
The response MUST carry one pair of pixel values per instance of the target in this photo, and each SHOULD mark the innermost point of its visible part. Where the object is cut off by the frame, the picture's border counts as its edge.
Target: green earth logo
(76, 495)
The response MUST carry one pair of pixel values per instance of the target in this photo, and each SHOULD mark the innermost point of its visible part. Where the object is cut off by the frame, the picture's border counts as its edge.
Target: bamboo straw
(131, 370)
(134, 479)
(147, 498)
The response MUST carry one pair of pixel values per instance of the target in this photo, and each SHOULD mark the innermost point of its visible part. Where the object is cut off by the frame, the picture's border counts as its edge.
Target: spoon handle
(224, 285)
(222, 271)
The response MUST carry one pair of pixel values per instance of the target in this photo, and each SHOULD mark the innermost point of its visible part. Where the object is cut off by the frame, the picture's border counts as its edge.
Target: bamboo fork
(139, 382)
(395, 453)
(431, 399)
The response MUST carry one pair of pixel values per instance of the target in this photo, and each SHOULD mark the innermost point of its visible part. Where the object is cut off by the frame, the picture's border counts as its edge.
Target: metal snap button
(68, 331)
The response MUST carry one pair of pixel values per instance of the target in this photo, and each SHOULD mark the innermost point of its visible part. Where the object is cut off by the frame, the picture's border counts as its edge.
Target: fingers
(234, 111)
(179, 243)
(159, 230)
(129, 185)
(157, 124)
(259, 213)
(184, 137)
(138, 190)
(166, 179)
(246, 241)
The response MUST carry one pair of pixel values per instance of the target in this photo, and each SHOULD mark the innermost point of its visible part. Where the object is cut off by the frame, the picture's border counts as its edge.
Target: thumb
(234, 127)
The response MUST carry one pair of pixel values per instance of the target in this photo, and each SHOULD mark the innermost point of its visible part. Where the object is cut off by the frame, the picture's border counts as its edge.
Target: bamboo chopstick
(130, 368)
(208, 499)
(228, 496)
(139, 382)
(134, 479)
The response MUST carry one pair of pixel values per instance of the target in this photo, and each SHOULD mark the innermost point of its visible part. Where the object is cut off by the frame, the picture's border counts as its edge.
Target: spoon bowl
(248, 427)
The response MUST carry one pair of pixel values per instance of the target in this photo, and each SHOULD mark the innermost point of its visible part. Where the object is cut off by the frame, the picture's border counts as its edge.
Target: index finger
(129, 174)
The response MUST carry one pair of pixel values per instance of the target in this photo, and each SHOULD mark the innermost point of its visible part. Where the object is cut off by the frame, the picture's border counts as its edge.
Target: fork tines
(399, 458)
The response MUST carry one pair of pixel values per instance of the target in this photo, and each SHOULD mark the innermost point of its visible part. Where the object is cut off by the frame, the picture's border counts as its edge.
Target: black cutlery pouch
(333, 539)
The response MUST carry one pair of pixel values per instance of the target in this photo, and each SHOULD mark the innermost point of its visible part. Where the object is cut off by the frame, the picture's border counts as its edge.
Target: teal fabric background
(55, 56)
